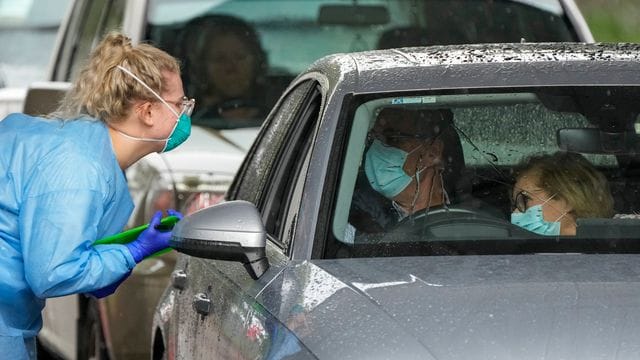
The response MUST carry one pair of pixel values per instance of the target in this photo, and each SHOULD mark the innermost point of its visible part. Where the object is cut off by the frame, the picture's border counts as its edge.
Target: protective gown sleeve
(59, 222)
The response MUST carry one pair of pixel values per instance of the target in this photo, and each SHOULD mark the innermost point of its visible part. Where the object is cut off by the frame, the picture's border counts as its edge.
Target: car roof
(482, 65)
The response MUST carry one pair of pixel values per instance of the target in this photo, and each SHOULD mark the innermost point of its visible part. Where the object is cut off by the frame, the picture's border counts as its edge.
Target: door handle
(179, 279)
(202, 304)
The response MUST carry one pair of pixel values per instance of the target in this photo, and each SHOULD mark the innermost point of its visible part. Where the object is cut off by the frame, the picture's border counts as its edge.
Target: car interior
(489, 134)
(284, 42)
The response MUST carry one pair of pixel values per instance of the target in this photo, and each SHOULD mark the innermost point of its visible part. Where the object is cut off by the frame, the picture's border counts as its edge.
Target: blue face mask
(533, 220)
(384, 169)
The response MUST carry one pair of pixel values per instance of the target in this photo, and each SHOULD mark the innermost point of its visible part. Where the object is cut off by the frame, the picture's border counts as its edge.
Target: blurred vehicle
(282, 269)
(284, 37)
(28, 35)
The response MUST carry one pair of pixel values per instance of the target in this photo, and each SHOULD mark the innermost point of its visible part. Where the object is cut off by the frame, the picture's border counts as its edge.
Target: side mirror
(231, 231)
(44, 97)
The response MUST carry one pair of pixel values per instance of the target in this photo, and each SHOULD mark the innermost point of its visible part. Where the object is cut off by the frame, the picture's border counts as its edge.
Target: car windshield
(527, 170)
(27, 33)
(239, 55)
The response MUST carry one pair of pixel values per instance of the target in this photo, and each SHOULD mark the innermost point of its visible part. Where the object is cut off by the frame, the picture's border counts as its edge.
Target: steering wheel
(458, 223)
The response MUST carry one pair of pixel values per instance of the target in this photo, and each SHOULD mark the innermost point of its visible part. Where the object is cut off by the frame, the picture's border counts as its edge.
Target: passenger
(226, 68)
(553, 191)
(62, 183)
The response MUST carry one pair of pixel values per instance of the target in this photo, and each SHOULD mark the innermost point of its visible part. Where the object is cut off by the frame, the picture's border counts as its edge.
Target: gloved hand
(151, 240)
(109, 289)
(175, 213)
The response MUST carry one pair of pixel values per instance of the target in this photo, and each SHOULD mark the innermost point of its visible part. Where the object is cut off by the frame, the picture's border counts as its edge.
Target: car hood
(472, 307)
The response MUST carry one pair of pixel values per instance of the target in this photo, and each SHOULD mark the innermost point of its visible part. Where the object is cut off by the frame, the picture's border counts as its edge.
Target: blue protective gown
(61, 188)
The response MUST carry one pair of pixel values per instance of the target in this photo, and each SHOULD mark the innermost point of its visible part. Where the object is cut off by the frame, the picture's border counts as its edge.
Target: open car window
(509, 171)
(239, 55)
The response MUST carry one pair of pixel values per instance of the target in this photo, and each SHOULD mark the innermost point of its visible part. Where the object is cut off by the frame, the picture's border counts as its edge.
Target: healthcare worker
(62, 183)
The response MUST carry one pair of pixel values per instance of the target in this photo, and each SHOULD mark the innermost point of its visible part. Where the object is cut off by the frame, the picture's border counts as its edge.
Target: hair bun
(116, 39)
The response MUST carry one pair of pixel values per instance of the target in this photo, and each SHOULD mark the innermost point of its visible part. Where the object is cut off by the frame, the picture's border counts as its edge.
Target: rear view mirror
(44, 97)
(231, 231)
(596, 141)
(353, 15)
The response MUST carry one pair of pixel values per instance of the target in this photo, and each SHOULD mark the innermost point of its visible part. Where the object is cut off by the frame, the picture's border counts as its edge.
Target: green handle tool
(128, 236)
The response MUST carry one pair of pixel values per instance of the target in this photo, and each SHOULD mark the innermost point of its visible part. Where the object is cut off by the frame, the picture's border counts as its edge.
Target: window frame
(280, 205)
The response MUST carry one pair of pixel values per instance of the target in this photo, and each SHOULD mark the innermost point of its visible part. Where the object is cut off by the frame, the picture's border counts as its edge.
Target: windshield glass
(491, 172)
(28, 31)
(238, 56)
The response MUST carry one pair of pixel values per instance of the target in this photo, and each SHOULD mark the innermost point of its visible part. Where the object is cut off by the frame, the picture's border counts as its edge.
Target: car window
(286, 183)
(239, 55)
(473, 163)
(258, 166)
(27, 33)
(99, 17)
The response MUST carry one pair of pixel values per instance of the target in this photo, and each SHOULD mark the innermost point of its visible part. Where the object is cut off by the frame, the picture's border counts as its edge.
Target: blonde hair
(571, 177)
(105, 92)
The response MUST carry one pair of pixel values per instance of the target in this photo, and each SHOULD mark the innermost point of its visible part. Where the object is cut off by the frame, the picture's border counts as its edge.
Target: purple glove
(109, 289)
(151, 240)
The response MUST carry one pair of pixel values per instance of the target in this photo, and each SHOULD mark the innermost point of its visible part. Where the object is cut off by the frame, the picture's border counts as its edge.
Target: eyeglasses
(185, 104)
(520, 201)
(395, 138)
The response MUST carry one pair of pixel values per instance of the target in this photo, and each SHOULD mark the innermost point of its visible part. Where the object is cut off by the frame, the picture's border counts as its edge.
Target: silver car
(288, 268)
(292, 35)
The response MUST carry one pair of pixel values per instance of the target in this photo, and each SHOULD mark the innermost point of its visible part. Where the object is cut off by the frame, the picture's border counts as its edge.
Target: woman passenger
(553, 190)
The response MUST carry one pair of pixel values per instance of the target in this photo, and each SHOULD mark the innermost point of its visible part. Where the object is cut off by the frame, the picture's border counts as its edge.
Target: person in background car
(225, 65)
(62, 183)
(552, 191)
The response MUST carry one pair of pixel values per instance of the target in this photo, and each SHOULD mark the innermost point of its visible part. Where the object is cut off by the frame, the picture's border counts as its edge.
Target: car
(28, 32)
(283, 268)
(291, 35)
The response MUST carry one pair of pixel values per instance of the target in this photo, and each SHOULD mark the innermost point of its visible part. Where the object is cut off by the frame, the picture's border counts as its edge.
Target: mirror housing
(231, 231)
(353, 15)
(596, 141)
(44, 97)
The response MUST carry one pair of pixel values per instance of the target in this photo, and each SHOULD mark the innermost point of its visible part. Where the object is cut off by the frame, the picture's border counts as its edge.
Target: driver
(226, 65)
(404, 160)
(405, 164)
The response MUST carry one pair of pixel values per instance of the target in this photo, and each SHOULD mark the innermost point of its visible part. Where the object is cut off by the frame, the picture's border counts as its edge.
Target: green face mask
(181, 130)
(179, 134)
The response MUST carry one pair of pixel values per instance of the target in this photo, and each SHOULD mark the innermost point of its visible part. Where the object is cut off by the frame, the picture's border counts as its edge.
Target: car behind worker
(62, 183)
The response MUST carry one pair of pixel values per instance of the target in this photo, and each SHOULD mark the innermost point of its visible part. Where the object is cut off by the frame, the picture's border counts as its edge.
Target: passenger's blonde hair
(105, 92)
(571, 177)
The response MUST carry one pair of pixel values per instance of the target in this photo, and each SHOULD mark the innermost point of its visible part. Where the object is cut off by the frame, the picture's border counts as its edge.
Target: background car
(291, 35)
(28, 33)
(279, 270)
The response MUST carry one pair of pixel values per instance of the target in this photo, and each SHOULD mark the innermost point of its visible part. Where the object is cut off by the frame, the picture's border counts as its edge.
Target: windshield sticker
(414, 100)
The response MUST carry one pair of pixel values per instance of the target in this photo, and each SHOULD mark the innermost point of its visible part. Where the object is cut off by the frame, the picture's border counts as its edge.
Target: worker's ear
(144, 112)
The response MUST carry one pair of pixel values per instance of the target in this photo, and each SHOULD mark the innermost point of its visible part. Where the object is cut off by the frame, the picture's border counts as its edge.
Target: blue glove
(109, 289)
(175, 213)
(151, 240)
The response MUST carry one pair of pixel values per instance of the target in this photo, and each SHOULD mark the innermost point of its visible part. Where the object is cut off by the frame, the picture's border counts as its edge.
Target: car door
(219, 302)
